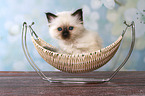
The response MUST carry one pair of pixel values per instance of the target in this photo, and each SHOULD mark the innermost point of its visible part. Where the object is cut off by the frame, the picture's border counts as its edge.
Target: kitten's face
(65, 25)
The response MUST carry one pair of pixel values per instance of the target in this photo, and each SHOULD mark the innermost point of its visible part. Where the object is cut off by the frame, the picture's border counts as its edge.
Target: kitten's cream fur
(80, 40)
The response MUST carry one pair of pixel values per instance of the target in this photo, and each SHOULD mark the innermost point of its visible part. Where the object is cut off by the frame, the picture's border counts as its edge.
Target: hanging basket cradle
(78, 63)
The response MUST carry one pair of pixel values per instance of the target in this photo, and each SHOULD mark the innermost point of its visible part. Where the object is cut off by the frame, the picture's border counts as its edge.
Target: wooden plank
(30, 84)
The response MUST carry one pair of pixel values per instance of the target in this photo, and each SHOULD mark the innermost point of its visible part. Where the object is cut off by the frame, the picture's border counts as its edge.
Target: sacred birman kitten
(73, 38)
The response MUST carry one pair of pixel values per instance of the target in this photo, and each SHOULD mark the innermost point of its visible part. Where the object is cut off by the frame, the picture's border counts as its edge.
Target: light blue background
(107, 21)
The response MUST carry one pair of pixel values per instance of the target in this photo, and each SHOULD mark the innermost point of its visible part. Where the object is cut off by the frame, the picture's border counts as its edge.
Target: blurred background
(103, 16)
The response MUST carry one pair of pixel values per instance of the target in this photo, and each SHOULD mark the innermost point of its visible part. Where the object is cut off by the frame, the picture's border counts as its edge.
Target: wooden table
(30, 84)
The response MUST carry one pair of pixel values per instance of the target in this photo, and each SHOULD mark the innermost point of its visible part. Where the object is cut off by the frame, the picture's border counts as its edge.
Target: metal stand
(72, 79)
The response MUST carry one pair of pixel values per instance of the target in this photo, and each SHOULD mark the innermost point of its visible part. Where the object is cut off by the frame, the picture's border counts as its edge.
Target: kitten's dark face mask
(65, 31)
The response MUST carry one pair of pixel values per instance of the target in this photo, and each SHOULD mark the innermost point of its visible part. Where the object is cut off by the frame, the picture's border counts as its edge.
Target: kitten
(73, 38)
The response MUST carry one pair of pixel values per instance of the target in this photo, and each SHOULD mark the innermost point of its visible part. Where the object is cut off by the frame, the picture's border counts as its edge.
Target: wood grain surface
(30, 84)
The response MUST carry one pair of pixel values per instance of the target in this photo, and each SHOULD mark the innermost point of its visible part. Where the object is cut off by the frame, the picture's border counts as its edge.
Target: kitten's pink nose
(65, 33)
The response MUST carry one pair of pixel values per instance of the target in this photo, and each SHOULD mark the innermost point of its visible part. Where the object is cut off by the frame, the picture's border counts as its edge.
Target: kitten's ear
(78, 13)
(50, 16)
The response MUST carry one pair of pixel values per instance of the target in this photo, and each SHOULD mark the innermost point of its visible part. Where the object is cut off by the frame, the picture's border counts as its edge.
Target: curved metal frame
(72, 79)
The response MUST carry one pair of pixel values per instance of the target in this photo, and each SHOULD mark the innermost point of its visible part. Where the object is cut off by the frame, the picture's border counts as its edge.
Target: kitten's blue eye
(71, 28)
(59, 29)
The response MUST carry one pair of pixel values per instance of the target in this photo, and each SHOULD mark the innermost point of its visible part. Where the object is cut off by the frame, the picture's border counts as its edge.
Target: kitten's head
(66, 25)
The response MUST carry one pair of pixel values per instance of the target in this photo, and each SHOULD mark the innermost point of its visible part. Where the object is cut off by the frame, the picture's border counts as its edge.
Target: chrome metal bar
(130, 51)
(26, 52)
(32, 31)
